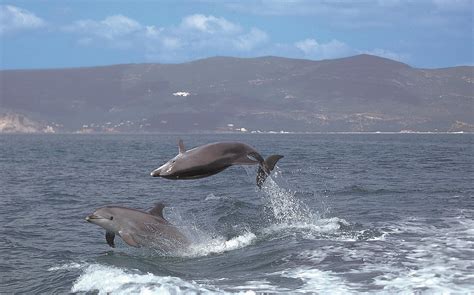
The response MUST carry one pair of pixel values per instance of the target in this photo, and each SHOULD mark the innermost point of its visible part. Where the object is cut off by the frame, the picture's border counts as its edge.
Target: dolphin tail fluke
(267, 167)
(271, 161)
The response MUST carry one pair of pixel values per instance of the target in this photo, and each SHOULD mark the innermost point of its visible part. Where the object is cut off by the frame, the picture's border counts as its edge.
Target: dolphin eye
(111, 218)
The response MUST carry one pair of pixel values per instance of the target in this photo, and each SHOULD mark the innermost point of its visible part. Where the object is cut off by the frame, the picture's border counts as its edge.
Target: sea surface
(342, 213)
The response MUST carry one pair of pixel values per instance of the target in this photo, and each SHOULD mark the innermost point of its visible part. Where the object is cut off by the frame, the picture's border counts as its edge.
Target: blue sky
(57, 34)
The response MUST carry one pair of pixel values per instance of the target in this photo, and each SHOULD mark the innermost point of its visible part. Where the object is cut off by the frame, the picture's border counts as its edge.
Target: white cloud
(116, 31)
(197, 36)
(315, 50)
(172, 43)
(251, 40)
(14, 19)
(117, 25)
(312, 49)
(153, 32)
(112, 27)
(307, 45)
(209, 24)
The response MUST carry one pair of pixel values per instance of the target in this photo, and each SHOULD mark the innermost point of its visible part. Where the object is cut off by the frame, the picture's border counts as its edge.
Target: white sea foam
(434, 277)
(429, 259)
(203, 242)
(108, 279)
(105, 279)
(439, 260)
(382, 237)
(315, 227)
(72, 265)
(251, 287)
(112, 280)
(316, 280)
(219, 245)
(211, 196)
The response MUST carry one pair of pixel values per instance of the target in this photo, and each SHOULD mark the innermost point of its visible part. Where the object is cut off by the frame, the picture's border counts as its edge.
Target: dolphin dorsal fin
(181, 147)
(157, 210)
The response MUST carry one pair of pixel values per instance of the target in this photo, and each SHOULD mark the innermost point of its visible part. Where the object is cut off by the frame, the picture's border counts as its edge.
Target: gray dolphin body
(212, 158)
(138, 228)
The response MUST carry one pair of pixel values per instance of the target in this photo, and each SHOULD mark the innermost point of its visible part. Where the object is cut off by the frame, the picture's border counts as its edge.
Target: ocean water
(379, 213)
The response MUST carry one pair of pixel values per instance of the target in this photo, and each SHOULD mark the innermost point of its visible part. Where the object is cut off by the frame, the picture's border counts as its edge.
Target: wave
(108, 279)
(397, 265)
(105, 279)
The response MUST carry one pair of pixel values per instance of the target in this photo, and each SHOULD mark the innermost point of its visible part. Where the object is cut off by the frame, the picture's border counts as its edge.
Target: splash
(286, 208)
(219, 245)
(284, 205)
(203, 242)
(288, 212)
(325, 227)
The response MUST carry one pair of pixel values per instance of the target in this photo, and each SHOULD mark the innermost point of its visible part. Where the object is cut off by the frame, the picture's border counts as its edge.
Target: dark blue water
(341, 214)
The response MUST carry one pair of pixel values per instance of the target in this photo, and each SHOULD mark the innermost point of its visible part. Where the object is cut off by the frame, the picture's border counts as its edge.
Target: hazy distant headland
(362, 93)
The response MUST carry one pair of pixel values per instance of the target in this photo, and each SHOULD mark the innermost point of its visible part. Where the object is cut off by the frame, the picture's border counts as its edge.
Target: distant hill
(359, 93)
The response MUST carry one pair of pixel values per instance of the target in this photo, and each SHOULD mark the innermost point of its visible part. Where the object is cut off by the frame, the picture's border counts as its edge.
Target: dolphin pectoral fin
(157, 210)
(181, 147)
(109, 237)
(265, 169)
(128, 238)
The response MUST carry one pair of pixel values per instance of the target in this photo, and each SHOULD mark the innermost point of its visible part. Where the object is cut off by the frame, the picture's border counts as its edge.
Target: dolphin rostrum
(138, 228)
(212, 158)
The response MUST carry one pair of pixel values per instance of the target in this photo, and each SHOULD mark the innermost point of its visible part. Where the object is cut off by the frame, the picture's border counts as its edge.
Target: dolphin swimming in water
(138, 228)
(212, 158)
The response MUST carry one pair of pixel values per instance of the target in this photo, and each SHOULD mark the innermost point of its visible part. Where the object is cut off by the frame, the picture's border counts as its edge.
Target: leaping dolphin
(212, 158)
(138, 228)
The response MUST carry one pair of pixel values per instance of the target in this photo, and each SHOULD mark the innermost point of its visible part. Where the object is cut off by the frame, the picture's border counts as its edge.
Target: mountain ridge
(359, 93)
(224, 57)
